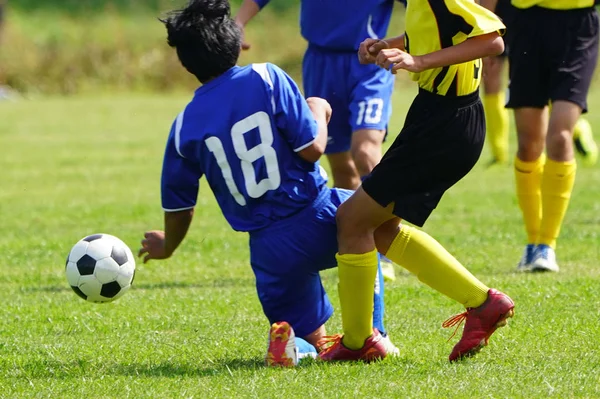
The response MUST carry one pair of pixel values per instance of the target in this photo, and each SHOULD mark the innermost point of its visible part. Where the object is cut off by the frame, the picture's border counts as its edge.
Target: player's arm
(486, 45)
(158, 244)
(179, 191)
(321, 111)
(489, 4)
(247, 11)
(302, 122)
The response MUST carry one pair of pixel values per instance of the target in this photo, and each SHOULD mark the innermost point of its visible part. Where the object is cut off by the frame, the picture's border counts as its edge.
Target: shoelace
(326, 343)
(455, 320)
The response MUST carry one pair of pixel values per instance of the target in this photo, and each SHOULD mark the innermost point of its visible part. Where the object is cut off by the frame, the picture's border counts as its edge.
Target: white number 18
(247, 156)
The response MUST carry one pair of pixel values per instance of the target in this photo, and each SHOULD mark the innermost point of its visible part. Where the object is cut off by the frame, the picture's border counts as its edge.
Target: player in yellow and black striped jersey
(554, 51)
(440, 142)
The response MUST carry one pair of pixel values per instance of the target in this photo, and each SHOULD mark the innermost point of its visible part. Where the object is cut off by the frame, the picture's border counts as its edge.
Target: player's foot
(387, 269)
(333, 349)
(544, 259)
(282, 346)
(481, 322)
(583, 138)
(390, 348)
(525, 262)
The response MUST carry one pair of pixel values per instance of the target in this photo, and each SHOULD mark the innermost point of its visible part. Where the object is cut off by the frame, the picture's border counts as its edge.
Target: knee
(343, 216)
(385, 235)
(366, 149)
(344, 171)
(530, 146)
(559, 144)
(365, 157)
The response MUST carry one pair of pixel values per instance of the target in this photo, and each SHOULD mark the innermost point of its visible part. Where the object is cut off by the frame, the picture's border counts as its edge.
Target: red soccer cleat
(481, 323)
(333, 349)
(282, 346)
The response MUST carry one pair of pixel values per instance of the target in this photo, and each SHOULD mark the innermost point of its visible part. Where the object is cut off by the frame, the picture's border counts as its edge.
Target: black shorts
(439, 144)
(506, 12)
(552, 57)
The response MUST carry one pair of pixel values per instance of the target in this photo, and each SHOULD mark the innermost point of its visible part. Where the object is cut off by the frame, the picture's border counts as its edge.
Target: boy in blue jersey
(257, 141)
(360, 95)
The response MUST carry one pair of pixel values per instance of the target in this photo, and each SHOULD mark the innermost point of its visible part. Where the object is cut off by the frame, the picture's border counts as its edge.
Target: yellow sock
(496, 117)
(357, 281)
(528, 178)
(423, 256)
(557, 185)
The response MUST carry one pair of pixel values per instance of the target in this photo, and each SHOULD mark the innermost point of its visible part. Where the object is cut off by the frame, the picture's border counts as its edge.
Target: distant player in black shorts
(494, 98)
(441, 141)
(553, 54)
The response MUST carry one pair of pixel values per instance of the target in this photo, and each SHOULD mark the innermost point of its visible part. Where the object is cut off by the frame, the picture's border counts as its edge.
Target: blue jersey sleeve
(293, 116)
(261, 3)
(180, 174)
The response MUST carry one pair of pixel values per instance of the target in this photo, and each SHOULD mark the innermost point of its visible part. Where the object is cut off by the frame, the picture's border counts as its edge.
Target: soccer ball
(100, 268)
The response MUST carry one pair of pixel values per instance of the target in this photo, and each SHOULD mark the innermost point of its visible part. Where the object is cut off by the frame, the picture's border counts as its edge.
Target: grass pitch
(192, 327)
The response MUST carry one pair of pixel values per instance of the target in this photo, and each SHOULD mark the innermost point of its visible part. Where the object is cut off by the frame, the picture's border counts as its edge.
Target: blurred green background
(71, 46)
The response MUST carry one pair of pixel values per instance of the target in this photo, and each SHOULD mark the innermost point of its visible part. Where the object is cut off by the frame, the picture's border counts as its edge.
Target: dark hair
(207, 40)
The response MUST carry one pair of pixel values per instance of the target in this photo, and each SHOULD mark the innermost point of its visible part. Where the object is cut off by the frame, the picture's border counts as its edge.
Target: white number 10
(247, 156)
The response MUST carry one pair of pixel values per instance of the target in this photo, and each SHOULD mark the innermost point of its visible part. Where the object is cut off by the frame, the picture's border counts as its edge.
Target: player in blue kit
(257, 141)
(360, 95)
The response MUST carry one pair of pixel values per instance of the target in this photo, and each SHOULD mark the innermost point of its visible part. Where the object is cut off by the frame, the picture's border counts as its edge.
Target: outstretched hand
(153, 245)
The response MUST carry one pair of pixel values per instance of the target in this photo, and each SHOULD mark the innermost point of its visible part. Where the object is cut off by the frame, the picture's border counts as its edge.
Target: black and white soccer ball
(100, 268)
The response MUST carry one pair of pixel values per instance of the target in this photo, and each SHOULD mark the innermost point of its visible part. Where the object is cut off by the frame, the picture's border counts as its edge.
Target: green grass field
(192, 326)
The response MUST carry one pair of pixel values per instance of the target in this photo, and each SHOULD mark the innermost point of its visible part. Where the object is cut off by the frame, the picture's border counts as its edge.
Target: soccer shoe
(282, 346)
(525, 262)
(332, 348)
(481, 322)
(544, 259)
(390, 348)
(387, 269)
(585, 145)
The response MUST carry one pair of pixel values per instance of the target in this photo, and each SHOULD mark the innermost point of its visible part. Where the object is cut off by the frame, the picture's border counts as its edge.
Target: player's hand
(245, 45)
(369, 49)
(394, 59)
(153, 245)
(318, 105)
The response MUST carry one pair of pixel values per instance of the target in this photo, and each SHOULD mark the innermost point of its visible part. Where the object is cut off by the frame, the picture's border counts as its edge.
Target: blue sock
(305, 350)
(385, 258)
(378, 307)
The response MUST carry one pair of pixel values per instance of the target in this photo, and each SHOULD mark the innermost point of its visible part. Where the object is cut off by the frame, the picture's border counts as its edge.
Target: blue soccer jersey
(243, 131)
(342, 25)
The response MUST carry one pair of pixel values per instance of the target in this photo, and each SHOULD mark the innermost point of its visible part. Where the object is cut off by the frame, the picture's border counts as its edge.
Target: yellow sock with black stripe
(497, 123)
(357, 274)
(528, 179)
(557, 185)
(423, 256)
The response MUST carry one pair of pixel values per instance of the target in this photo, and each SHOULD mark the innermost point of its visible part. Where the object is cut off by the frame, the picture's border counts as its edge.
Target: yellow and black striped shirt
(432, 25)
(555, 4)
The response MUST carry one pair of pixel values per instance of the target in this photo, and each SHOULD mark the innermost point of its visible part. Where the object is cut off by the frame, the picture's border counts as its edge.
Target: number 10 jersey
(243, 131)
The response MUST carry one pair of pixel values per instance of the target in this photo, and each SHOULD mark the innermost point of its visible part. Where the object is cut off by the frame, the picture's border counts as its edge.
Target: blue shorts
(360, 95)
(286, 258)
